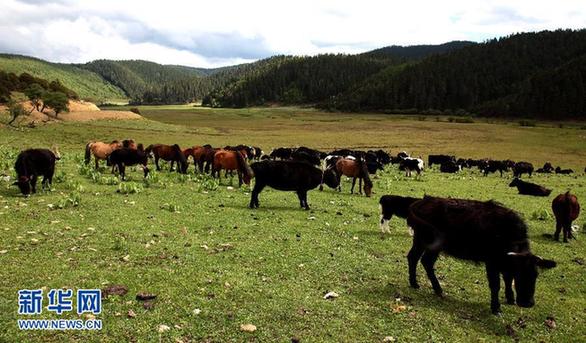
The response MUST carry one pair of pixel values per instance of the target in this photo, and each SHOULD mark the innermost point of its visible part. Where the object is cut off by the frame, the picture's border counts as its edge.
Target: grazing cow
(356, 169)
(171, 153)
(566, 209)
(462, 162)
(494, 166)
(450, 167)
(331, 178)
(546, 169)
(476, 231)
(383, 157)
(440, 159)
(129, 157)
(232, 160)
(394, 205)
(409, 164)
(282, 153)
(521, 168)
(372, 162)
(559, 170)
(31, 164)
(289, 175)
(528, 188)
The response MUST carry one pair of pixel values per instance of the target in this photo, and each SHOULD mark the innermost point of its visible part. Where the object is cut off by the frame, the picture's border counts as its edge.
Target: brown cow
(566, 209)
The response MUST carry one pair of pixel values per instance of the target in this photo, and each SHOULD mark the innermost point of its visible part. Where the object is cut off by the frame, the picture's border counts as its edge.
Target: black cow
(477, 231)
(383, 157)
(450, 167)
(282, 153)
(521, 168)
(559, 170)
(305, 156)
(528, 188)
(285, 176)
(462, 162)
(258, 153)
(129, 157)
(546, 169)
(394, 205)
(331, 160)
(331, 178)
(440, 159)
(31, 164)
(372, 162)
(343, 152)
(492, 166)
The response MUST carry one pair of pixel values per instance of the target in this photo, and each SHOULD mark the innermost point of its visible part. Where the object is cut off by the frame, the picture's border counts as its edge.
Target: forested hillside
(529, 74)
(88, 85)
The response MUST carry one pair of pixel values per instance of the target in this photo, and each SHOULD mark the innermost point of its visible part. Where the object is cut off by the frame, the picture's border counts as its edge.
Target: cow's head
(524, 267)
(367, 187)
(514, 183)
(24, 185)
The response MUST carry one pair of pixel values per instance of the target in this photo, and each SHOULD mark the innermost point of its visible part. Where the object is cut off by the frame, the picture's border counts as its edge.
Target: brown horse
(100, 150)
(201, 155)
(232, 160)
(357, 170)
(171, 153)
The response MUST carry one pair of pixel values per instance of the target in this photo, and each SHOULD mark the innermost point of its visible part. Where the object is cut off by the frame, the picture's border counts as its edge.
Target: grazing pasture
(215, 264)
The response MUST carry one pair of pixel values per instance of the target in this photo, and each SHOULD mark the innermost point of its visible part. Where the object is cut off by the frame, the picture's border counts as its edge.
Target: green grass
(196, 245)
(88, 85)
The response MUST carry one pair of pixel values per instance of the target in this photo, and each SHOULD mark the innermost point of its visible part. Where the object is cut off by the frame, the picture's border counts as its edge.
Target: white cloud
(223, 32)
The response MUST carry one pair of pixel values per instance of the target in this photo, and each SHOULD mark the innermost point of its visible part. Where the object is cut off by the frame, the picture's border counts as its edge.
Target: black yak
(528, 188)
(31, 164)
(291, 175)
(477, 231)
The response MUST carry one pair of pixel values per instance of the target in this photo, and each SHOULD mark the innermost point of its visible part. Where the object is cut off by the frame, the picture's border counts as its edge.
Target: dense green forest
(10, 82)
(529, 74)
(540, 74)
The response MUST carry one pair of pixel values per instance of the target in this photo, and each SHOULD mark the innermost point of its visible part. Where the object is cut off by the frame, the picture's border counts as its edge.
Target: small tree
(15, 109)
(56, 101)
(34, 93)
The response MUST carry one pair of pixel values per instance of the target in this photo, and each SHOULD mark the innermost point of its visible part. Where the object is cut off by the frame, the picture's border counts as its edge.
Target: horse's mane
(363, 171)
(243, 167)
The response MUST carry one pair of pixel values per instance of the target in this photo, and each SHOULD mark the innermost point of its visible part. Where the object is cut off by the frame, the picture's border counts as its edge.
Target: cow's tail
(88, 152)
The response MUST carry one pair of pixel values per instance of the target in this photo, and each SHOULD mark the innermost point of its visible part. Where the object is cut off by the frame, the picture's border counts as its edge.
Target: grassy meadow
(215, 265)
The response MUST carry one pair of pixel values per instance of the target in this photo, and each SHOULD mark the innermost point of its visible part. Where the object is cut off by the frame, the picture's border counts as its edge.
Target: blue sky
(223, 32)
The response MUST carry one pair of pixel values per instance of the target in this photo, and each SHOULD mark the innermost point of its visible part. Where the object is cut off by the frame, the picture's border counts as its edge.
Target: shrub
(129, 188)
(135, 110)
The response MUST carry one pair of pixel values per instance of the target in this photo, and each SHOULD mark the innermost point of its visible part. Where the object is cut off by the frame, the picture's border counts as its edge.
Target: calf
(521, 168)
(566, 209)
(528, 188)
(546, 169)
(559, 170)
(409, 164)
(31, 164)
(478, 231)
(394, 205)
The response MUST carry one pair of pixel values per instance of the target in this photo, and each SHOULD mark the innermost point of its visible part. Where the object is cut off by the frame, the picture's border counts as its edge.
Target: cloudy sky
(224, 32)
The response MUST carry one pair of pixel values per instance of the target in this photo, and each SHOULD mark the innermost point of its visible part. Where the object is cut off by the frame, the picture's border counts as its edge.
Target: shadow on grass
(477, 315)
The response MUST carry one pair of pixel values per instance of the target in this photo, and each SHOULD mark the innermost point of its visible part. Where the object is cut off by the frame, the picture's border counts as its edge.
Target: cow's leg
(353, 183)
(360, 185)
(494, 282)
(509, 294)
(428, 260)
(157, 162)
(122, 170)
(304, 199)
(97, 165)
(258, 187)
(567, 229)
(558, 229)
(33, 181)
(413, 258)
(239, 178)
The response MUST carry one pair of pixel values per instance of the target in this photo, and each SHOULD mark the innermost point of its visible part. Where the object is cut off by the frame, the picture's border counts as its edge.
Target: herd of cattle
(466, 229)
